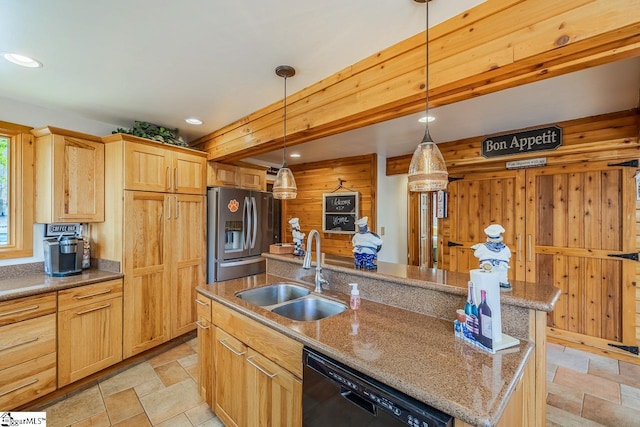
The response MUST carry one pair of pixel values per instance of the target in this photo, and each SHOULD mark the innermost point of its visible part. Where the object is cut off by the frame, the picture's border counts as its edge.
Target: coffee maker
(63, 255)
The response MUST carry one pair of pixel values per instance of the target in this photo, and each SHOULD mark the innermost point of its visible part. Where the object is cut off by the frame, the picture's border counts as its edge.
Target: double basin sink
(292, 301)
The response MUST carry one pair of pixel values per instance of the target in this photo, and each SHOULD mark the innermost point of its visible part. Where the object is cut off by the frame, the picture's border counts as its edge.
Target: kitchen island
(402, 335)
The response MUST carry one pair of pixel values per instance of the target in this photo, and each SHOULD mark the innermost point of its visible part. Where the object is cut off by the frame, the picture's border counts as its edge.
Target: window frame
(21, 191)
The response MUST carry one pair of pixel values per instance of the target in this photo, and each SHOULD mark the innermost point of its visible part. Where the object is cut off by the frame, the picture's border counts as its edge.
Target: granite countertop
(34, 284)
(414, 353)
(535, 296)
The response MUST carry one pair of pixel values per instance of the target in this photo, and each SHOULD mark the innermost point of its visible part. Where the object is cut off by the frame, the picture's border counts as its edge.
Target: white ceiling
(116, 61)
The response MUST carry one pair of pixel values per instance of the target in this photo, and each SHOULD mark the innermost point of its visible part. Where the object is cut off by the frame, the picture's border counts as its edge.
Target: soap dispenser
(354, 303)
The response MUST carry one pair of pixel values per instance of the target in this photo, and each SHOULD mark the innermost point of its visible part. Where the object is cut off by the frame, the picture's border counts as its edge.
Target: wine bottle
(471, 312)
(486, 335)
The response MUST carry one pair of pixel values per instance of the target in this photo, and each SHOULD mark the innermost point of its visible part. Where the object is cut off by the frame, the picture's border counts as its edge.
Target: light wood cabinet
(257, 372)
(206, 337)
(155, 167)
(89, 318)
(222, 175)
(230, 389)
(27, 349)
(69, 176)
(157, 231)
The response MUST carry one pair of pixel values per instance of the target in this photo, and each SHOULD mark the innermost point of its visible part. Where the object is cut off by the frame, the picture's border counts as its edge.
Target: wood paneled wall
(359, 173)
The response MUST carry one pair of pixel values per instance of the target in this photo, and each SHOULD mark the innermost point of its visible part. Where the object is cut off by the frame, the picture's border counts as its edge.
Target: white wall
(34, 116)
(392, 214)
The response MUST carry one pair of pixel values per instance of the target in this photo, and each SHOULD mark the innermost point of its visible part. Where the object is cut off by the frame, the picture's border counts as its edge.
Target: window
(16, 191)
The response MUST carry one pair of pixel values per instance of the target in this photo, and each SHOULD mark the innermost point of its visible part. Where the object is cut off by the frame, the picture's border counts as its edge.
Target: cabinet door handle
(519, 246)
(529, 247)
(201, 303)
(270, 375)
(200, 325)
(20, 310)
(237, 353)
(175, 178)
(168, 178)
(168, 207)
(106, 291)
(177, 208)
(80, 313)
(19, 344)
(19, 387)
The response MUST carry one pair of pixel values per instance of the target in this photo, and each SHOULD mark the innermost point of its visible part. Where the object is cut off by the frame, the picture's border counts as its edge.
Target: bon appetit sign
(529, 141)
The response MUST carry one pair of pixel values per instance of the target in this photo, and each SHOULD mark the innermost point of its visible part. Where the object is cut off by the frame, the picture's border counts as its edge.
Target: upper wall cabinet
(223, 175)
(152, 166)
(69, 176)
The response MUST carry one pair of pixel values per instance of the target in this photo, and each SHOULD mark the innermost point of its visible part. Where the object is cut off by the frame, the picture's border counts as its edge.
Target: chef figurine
(298, 237)
(494, 255)
(366, 245)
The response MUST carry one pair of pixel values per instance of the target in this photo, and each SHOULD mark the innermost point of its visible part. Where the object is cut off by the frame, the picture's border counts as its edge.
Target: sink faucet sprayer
(319, 280)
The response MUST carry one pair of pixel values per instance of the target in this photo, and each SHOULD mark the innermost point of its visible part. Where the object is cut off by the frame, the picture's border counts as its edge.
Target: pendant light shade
(428, 170)
(284, 186)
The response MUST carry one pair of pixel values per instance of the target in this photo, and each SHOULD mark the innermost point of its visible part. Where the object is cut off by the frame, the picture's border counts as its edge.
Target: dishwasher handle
(358, 401)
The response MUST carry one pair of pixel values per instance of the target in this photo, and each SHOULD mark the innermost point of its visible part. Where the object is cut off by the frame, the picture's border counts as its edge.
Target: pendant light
(427, 171)
(284, 186)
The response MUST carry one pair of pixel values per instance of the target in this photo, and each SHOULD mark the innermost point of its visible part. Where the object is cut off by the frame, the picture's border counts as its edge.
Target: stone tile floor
(583, 390)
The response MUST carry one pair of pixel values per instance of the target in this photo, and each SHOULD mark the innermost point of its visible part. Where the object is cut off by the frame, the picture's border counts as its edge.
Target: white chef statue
(493, 254)
(298, 237)
(366, 245)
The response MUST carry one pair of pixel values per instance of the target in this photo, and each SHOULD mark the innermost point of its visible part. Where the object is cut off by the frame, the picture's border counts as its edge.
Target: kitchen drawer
(203, 306)
(275, 346)
(20, 309)
(82, 295)
(27, 340)
(27, 381)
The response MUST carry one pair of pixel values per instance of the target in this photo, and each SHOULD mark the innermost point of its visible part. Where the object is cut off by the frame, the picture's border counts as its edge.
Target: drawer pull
(201, 303)
(231, 349)
(80, 313)
(259, 368)
(19, 344)
(106, 291)
(200, 325)
(20, 310)
(19, 387)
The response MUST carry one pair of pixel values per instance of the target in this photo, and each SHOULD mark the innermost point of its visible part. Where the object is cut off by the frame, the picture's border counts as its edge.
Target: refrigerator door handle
(254, 211)
(246, 208)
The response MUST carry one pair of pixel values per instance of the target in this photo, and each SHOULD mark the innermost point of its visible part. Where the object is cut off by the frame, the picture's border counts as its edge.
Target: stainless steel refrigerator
(240, 227)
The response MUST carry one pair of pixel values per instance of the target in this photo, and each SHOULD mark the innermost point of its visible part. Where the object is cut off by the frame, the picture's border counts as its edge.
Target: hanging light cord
(427, 136)
(284, 138)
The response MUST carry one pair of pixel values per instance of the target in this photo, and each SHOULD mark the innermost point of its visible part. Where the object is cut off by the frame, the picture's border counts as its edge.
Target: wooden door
(478, 200)
(189, 173)
(96, 329)
(146, 271)
(147, 167)
(188, 250)
(580, 218)
(274, 395)
(230, 388)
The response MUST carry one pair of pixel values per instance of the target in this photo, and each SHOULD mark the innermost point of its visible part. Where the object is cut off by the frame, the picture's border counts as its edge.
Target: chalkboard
(340, 212)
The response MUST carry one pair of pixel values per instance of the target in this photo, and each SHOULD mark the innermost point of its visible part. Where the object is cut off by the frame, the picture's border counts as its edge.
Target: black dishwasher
(336, 395)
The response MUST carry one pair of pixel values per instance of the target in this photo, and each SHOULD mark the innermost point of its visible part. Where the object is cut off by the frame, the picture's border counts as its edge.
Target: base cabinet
(256, 375)
(206, 337)
(27, 349)
(90, 319)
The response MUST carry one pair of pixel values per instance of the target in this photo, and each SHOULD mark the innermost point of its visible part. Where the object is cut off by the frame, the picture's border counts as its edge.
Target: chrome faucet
(319, 280)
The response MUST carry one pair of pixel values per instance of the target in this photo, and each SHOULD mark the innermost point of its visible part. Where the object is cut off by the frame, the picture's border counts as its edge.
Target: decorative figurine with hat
(298, 237)
(366, 245)
(493, 254)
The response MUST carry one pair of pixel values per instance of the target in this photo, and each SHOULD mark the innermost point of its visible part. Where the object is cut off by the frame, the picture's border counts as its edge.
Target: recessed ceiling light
(193, 121)
(424, 119)
(22, 60)
(295, 155)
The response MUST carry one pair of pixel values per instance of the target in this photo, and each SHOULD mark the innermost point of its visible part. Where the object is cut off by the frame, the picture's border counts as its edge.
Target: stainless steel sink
(273, 294)
(310, 308)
